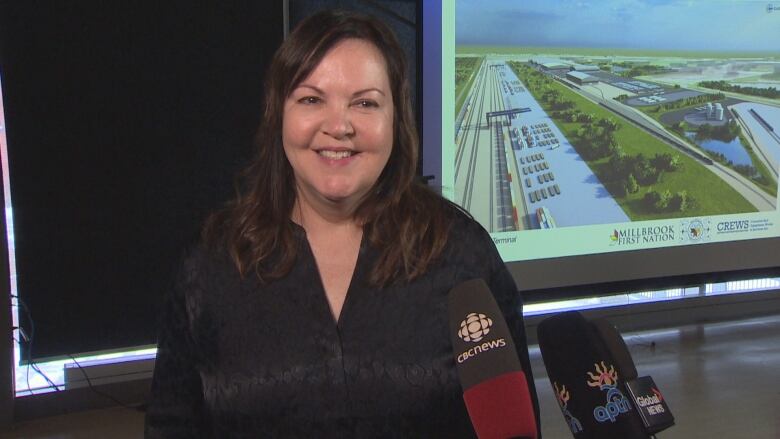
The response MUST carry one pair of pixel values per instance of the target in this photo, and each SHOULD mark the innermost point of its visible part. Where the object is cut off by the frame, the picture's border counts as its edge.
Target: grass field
(769, 77)
(607, 52)
(712, 195)
(465, 72)
(655, 111)
(771, 187)
(747, 82)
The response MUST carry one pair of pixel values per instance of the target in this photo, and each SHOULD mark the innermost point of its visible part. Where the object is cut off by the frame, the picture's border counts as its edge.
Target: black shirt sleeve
(509, 300)
(176, 408)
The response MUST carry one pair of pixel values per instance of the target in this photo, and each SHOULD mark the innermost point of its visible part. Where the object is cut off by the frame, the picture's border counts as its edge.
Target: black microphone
(586, 381)
(648, 400)
(495, 389)
(617, 347)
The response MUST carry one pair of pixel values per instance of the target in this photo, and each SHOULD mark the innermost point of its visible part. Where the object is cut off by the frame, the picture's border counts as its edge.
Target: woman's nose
(338, 123)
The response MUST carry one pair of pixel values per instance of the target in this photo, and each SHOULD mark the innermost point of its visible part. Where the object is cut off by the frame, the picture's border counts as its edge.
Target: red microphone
(495, 389)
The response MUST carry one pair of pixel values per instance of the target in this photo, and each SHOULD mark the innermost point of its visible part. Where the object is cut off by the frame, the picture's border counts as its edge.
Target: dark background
(126, 123)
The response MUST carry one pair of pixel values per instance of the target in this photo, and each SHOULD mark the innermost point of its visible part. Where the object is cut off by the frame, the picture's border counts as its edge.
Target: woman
(317, 304)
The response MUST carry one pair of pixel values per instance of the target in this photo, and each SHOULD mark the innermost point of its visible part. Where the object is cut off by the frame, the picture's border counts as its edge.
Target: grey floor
(721, 380)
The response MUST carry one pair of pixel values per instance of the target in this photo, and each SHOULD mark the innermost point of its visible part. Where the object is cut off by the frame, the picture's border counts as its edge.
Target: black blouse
(237, 359)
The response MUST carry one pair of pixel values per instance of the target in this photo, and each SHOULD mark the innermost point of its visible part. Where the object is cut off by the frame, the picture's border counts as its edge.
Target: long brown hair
(407, 222)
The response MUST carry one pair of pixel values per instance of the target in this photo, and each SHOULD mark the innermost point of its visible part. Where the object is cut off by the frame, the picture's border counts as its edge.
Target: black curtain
(126, 122)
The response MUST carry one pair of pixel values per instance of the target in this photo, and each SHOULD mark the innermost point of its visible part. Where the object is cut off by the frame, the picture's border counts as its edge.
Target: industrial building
(714, 112)
(581, 78)
(585, 68)
(550, 63)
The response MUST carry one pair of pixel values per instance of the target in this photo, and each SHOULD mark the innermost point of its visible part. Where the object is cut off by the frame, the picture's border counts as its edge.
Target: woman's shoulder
(200, 261)
(461, 223)
(464, 223)
(467, 240)
(435, 202)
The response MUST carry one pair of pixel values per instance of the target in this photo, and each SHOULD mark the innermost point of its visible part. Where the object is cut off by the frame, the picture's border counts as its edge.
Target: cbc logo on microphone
(475, 327)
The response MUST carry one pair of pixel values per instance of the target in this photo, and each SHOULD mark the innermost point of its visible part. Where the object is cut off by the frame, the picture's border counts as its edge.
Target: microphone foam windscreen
(647, 399)
(501, 402)
(617, 347)
(586, 382)
(495, 388)
(480, 337)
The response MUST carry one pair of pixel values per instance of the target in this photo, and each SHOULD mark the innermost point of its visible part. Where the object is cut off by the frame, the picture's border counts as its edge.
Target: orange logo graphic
(604, 376)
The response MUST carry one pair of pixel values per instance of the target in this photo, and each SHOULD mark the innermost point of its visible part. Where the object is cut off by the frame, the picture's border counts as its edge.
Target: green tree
(618, 189)
(585, 132)
(619, 167)
(665, 162)
(608, 124)
(679, 202)
(663, 201)
(613, 148)
(645, 173)
(631, 186)
(651, 200)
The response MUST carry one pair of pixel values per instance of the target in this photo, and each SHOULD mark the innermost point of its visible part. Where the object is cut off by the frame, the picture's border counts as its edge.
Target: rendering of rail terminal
(573, 137)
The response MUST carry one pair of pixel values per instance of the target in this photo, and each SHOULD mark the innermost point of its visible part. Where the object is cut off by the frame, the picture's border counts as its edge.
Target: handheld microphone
(617, 347)
(586, 381)
(648, 400)
(495, 389)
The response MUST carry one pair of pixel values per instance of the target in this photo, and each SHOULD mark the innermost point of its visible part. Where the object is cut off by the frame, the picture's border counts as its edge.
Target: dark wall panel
(126, 122)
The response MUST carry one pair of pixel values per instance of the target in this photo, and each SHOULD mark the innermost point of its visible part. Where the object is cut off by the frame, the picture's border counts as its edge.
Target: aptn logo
(563, 397)
(606, 379)
(475, 327)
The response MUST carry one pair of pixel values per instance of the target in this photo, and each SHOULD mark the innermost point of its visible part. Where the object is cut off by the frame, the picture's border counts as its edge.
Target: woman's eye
(366, 103)
(309, 100)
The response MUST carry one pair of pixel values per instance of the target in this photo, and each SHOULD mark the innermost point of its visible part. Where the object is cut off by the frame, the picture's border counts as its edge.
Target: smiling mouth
(336, 155)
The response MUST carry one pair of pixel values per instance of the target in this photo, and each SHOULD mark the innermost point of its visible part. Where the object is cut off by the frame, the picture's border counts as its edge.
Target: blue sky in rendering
(720, 25)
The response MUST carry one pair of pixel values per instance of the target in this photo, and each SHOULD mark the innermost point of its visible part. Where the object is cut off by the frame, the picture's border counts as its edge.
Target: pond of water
(733, 150)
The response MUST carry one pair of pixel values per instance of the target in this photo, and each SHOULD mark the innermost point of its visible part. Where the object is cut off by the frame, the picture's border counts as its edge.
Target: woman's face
(337, 127)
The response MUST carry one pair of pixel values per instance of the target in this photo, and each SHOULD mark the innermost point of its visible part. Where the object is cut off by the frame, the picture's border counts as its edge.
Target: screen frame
(592, 274)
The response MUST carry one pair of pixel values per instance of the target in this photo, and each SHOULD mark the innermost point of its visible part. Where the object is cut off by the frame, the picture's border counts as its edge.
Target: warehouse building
(581, 78)
(585, 68)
